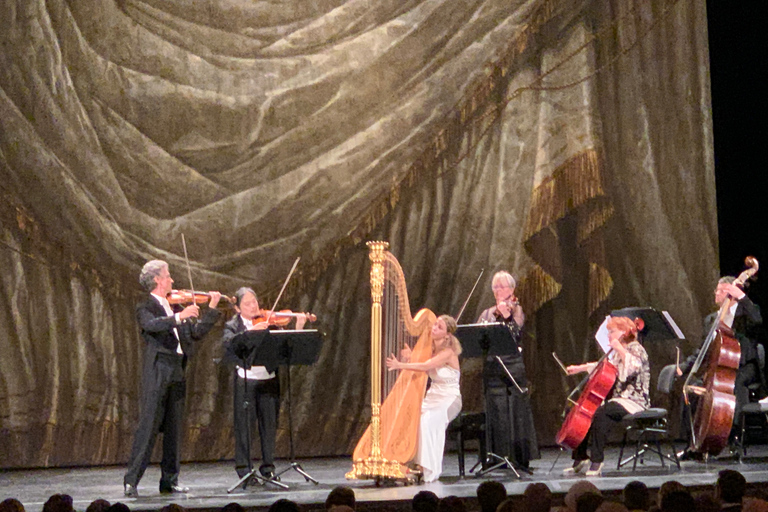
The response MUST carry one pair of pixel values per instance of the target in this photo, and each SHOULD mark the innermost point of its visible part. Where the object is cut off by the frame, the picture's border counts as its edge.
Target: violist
(512, 433)
(630, 393)
(257, 385)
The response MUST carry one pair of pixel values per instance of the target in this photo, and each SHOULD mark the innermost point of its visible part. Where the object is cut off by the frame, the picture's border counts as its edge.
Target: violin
(280, 318)
(511, 302)
(188, 297)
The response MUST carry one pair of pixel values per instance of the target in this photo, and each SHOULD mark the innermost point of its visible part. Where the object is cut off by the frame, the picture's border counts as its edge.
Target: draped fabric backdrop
(568, 142)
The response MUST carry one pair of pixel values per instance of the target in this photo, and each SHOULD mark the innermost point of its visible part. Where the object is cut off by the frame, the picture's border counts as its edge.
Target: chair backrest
(666, 379)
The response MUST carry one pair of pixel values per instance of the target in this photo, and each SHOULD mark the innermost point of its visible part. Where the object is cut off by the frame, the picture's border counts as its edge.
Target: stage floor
(208, 482)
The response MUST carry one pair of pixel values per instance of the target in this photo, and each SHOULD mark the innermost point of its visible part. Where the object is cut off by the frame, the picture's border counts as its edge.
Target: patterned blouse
(634, 379)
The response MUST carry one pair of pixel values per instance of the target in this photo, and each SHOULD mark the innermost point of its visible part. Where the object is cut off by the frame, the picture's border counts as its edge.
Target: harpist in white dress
(441, 405)
(442, 402)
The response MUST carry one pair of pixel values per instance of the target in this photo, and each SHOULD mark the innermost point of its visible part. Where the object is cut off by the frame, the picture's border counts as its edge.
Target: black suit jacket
(746, 321)
(157, 329)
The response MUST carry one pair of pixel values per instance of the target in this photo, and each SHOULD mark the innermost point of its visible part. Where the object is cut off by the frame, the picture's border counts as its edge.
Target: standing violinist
(170, 337)
(262, 387)
(744, 319)
(630, 393)
(511, 430)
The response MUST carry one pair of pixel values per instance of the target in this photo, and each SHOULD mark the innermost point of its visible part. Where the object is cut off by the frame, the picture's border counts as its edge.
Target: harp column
(376, 254)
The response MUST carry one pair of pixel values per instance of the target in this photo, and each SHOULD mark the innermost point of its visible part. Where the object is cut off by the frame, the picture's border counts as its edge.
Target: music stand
(296, 347)
(483, 340)
(254, 348)
(658, 325)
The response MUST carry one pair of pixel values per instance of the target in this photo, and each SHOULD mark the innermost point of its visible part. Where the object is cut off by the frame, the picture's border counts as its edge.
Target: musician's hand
(392, 362)
(260, 326)
(193, 310)
(732, 290)
(301, 319)
(575, 368)
(679, 371)
(504, 309)
(215, 297)
(405, 353)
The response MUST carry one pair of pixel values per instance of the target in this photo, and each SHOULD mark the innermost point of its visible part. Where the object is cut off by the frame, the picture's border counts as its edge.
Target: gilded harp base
(379, 469)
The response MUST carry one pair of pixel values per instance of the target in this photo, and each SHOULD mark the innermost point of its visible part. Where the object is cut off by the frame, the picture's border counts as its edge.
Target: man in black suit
(170, 340)
(257, 385)
(744, 319)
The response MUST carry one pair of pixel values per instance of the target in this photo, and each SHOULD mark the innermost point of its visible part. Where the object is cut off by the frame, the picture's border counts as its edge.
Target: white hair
(149, 272)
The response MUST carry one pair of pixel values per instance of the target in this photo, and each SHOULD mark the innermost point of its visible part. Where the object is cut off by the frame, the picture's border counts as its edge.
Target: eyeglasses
(501, 287)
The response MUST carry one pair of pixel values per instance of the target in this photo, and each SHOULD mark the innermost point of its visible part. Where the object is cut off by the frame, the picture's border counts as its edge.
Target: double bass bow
(716, 365)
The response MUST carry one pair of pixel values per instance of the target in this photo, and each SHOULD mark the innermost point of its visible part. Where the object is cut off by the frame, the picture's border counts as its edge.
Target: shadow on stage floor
(208, 482)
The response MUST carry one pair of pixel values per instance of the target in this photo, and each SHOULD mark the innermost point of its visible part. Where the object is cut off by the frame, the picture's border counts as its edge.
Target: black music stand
(658, 326)
(296, 347)
(484, 340)
(254, 348)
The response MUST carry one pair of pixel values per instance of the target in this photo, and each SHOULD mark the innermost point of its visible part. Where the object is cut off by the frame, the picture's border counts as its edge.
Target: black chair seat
(755, 408)
(467, 426)
(652, 414)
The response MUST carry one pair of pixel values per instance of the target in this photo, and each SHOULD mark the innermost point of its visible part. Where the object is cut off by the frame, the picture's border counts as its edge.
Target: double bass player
(743, 318)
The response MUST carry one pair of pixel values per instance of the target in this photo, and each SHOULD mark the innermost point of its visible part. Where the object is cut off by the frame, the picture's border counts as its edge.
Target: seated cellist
(630, 393)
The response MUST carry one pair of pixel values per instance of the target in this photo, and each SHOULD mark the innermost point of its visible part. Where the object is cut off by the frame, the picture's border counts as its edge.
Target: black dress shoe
(688, 454)
(130, 491)
(174, 489)
(270, 475)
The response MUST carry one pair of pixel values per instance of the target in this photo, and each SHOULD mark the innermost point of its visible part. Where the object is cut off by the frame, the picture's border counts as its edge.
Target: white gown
(441, 404)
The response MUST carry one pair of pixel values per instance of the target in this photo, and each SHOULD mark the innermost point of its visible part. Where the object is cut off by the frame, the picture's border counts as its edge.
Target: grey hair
(506, 276)
(727, 280)
(149, 272)
(241, 292)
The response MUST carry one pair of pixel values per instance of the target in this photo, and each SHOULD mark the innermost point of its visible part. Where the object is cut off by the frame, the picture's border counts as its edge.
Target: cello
(718, 361)
(595, 389)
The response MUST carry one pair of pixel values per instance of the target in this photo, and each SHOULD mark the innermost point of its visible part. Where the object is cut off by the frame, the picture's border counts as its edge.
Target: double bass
(717, 366)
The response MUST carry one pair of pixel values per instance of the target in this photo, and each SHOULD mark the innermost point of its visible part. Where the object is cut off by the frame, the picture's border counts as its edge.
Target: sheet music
(602, 335)
(673, 325)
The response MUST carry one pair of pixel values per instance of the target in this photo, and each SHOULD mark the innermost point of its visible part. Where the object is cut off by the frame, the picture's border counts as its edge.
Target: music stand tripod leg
(293, 465)
(502, 461)
(252, 472)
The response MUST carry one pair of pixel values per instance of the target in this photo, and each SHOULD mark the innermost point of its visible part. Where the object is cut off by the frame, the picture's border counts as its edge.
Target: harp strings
(395, 336)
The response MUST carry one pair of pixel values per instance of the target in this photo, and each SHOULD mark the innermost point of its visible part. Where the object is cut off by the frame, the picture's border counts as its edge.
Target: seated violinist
(263, 387)
(630, 393)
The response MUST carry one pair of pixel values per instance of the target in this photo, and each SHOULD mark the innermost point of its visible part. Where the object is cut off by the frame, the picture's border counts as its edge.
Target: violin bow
(461, 311)
(189, 269)
(272, 311)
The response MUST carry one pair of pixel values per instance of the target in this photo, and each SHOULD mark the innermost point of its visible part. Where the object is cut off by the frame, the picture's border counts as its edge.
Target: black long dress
(511, 431)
